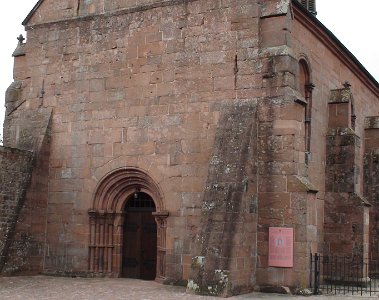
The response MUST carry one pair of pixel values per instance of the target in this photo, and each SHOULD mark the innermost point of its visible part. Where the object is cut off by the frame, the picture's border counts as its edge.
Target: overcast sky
(355, 24)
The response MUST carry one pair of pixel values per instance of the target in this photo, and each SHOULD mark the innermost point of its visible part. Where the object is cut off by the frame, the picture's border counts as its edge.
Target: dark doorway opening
(139, 259)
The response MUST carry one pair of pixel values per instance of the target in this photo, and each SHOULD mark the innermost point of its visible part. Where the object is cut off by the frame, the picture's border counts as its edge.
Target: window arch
(305, 89)
(304, 77)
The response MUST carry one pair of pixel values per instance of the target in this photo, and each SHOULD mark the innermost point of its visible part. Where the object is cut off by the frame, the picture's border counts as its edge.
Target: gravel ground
(49, 288)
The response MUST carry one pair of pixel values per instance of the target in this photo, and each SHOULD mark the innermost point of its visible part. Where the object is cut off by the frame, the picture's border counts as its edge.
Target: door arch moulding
(106, 219)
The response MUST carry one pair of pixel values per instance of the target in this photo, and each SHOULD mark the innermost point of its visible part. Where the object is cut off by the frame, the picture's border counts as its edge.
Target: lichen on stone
(209, 206)
(192, 286)
(198, 261)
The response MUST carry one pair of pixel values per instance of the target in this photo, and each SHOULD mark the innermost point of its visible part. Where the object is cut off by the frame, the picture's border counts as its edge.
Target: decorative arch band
(115, 187)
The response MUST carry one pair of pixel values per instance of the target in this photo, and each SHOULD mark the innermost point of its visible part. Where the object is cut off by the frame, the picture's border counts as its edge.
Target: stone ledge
(5, 149)
(341, 131)
(275, 289)
(340, 96)
(372, 122)
(272, 8)
(19, 51)
(361, 200)
(128, 10)
(300, 184)
(301, 101)
(30, 137)
(274, 51)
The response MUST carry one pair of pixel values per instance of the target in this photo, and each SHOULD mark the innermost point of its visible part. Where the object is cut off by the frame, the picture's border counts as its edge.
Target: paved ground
(51, 288)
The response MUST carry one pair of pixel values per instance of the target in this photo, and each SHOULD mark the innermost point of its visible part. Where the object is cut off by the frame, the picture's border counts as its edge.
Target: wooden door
(148, 246)
(140, 245)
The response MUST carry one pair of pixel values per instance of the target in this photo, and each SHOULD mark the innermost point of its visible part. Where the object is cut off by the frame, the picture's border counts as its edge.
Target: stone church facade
(167, 139)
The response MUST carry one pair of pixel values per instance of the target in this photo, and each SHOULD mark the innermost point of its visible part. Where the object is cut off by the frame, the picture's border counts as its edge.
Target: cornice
(137, 8)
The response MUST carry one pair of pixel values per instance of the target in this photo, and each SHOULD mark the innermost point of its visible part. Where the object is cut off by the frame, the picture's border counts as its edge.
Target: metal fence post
(316, 275)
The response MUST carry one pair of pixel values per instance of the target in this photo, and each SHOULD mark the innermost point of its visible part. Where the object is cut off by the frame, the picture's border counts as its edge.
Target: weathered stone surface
(19, 51)
(340, 96)
(226, 231)
(347, 213)
(371, 179)
(275, 289)
(27, 129)
(216, 109)
(273, 8)
(300, 184)
(15, 176)
(13, 97)
(20, 185)
(372, 123)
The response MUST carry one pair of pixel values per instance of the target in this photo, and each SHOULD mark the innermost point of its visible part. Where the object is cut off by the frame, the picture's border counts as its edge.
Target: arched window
(305, 88)
(303, 77)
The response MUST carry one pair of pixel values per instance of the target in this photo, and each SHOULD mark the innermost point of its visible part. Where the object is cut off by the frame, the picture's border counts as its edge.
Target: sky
(355, 24)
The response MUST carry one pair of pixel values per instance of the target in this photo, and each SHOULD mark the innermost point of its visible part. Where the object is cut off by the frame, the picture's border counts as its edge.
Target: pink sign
(280, 251)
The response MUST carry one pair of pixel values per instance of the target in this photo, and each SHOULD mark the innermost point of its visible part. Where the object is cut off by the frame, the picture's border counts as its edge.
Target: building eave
(309, 21)
(31, 13)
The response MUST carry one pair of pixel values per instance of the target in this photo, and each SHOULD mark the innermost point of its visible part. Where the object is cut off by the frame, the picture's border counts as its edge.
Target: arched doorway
(115, 203)
(139, 254)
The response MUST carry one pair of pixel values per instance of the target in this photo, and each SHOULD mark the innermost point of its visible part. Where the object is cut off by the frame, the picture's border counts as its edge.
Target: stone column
(92, 241)
(161, 220)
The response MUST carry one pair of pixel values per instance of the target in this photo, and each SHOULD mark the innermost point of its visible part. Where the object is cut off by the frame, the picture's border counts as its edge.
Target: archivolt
(115, 187)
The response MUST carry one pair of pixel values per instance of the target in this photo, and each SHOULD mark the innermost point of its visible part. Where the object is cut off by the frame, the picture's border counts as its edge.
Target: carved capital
(161, 215)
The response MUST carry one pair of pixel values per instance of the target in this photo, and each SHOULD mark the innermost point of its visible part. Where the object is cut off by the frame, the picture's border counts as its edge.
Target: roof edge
(31, 13)
(321, 28)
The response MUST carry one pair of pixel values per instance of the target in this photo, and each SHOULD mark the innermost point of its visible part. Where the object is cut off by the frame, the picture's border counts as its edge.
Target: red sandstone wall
(371, 178)
(142, 89)
(285, 195)
(50, 11)
(329, 72)
(145, 88)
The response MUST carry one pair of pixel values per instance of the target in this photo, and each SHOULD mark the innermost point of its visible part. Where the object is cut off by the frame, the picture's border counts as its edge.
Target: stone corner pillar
(346, 211)
(371, 180)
